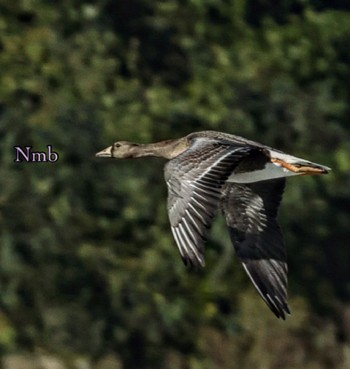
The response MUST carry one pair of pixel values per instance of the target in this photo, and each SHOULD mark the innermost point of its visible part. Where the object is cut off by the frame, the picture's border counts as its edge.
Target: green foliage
(88, 264)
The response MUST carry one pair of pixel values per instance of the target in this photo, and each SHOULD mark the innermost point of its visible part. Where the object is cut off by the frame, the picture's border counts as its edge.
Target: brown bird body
(208, 171)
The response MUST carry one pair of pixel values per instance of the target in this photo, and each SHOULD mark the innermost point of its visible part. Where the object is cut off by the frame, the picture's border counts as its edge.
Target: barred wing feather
(195, 180)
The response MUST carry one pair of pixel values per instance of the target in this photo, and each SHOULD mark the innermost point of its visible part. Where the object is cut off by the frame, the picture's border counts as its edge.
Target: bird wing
(195, 179)
(251, 211)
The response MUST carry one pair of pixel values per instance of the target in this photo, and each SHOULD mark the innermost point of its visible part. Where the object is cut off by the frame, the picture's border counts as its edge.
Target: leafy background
(89, 273)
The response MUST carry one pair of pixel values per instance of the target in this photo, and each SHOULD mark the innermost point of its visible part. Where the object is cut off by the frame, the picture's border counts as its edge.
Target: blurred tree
(88, 264)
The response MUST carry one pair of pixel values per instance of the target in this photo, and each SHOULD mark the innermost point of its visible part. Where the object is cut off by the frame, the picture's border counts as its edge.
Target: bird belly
(270, 171)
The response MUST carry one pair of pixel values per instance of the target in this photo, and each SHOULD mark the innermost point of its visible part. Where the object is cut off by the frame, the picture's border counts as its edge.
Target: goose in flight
(207, 171)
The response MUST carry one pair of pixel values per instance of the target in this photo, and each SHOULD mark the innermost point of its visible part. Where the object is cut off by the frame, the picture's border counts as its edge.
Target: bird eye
(117, 144)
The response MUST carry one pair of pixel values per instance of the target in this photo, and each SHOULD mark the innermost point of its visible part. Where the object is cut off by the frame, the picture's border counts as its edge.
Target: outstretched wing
(195, 179)
(251, 211)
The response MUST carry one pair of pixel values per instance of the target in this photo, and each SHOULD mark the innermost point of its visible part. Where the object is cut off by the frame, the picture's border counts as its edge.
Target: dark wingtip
(284, 314)
(281, 311)
(192, 263)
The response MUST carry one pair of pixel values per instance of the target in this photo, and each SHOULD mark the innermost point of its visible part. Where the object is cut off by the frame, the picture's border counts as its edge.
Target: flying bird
(210, 171)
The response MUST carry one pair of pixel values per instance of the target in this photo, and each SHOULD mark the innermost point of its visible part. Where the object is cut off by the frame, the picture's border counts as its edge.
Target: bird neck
(168, 149)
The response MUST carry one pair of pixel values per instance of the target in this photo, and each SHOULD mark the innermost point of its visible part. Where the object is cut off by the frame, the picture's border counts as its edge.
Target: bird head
(119, 150)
